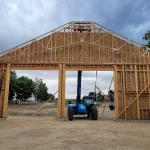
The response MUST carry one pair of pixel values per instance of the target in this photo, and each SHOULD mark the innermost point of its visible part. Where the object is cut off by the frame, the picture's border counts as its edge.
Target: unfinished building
(85, 46)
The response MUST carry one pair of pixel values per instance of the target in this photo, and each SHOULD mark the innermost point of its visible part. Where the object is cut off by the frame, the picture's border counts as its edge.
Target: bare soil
(49, 109)
(47, 133)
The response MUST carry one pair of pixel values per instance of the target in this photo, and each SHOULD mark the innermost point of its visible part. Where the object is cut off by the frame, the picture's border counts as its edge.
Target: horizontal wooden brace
(68, 68)
(90, 68)
(72, 63)
(34, 68)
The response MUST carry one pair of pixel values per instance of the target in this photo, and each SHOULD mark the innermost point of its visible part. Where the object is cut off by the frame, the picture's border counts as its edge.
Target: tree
(12, 85)
(24, 88)
(147, 38)
(92, 94)
(41, 90)
(100, 97)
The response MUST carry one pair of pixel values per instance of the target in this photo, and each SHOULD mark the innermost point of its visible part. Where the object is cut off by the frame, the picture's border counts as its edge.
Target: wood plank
(34, 67)
(71, 68)
(115, 92)
(124, 90)
(136, 83)
(148, 78)
(59, 91)
(6, 95)
(63, 91)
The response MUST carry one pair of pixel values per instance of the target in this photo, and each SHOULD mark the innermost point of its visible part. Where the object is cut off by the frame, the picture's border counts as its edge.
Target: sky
(22, 20)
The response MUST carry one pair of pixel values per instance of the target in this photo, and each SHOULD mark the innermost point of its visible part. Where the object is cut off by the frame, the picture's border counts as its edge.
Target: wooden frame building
(85, 46)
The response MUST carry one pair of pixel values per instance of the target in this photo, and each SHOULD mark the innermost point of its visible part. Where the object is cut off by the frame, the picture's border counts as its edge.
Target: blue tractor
(82, 107)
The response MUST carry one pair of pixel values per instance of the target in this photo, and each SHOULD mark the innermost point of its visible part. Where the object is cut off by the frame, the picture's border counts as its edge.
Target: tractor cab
(88, 100)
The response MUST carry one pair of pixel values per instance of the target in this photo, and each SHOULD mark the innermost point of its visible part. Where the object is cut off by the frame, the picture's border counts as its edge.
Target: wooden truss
(85, 46)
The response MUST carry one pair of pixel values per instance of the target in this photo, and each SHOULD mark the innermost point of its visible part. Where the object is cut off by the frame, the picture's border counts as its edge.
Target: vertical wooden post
(115, 92)
(136, 84)
(124, 97)
(61, 91)
(5, 105)
(148, 78)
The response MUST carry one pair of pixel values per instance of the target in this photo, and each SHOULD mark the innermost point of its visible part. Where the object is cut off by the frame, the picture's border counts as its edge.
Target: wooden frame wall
(132, 86)
(85, 46)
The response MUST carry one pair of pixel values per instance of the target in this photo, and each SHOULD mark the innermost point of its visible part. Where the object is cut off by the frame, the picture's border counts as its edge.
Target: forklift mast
(79, 86)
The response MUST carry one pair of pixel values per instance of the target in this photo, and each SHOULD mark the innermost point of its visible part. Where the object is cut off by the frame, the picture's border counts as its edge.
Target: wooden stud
(59, 92)
(63, 101)
(148, 78)
(124, 97)
(6, 95)
(116, 92)
(136, 83)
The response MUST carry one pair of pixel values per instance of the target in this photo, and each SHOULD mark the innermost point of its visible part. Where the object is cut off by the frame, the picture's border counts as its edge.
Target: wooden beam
(70, 63)
(6, 95)
(71, 68)
(107, 95)
(148, 77)
(116, 92)
(124, 86)
(68, 68)
(53, 95)
(59, 91)
(136, 84)
(34, 67)
(63, 101)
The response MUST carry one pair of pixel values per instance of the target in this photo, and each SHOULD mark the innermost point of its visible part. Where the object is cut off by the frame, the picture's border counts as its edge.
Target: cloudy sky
(22, 20)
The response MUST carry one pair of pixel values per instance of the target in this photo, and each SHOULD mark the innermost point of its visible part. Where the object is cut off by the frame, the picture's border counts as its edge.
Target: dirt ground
(48, 133)
(50, 109)
(45, 133)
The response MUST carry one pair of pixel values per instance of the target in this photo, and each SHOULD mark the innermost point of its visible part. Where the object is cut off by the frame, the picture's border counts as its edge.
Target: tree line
(100, 97)
(23, 88)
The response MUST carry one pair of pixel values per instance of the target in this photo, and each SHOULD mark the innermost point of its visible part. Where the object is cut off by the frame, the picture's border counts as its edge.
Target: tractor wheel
(70, 113)
(94, 113)
(88, 116)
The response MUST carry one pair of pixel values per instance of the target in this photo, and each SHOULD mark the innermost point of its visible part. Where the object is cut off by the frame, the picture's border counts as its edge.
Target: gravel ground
(45, 133)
